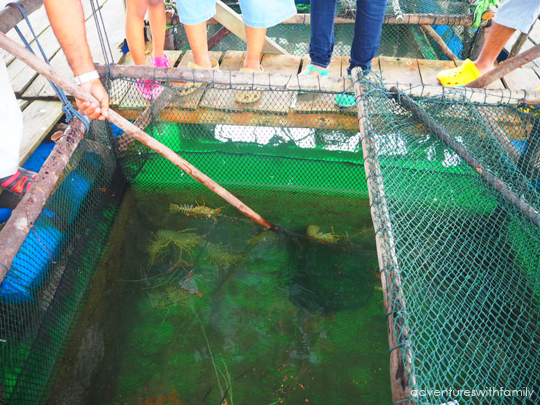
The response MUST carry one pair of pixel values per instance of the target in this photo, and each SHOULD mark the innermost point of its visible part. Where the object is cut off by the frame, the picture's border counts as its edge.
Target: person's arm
(67, 21)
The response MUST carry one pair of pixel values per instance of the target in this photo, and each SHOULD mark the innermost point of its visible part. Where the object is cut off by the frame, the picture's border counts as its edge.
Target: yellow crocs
(459, 76)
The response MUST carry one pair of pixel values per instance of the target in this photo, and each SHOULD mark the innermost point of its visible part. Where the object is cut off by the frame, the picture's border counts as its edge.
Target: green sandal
(311, 68)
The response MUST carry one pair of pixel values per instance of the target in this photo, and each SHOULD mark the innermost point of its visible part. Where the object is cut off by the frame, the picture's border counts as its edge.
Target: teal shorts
(256, 13)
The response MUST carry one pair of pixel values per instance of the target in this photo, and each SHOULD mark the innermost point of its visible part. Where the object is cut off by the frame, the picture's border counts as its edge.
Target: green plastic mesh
(462, 262)
(46, 285)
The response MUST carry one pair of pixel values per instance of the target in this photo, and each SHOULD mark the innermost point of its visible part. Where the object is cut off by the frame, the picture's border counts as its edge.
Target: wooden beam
(218, 37)
(446, 51)
(393, 297)
(230, 19)
(409, 19)
(11, 16)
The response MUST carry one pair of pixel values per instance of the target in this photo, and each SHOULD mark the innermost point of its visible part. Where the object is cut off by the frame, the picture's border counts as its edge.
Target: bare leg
(136, 9)
(158, 24)
(498, 37)
(199, 44)
(255, 41)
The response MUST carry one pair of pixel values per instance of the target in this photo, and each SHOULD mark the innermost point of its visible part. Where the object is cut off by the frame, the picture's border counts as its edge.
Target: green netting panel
(45, 287)
(398, 40)
(462, 262)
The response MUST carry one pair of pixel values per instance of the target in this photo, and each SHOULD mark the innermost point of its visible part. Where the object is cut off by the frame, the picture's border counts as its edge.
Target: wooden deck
(41, 111)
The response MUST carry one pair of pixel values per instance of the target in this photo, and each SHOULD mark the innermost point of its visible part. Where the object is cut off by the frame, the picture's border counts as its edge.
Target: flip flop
(20, 182)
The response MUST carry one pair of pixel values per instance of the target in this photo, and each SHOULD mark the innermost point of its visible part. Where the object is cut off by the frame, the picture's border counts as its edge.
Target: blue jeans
(367, 32)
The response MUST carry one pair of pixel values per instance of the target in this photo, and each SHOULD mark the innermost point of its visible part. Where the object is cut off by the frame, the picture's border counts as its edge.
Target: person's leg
(194, 14)
(498, 37)
(136, 9)
(255, 41)
(321, 47)
(367, 32)
(259, 15)
(198, 42)
(158, 25)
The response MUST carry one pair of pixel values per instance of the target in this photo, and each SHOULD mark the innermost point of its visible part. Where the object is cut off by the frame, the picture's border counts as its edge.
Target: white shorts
(518, 14)
(11, 128)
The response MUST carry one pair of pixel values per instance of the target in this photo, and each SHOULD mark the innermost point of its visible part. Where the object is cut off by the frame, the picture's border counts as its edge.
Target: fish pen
(404, 261)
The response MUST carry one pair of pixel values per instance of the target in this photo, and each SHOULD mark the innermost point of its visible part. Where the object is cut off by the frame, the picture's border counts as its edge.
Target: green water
(221, 310)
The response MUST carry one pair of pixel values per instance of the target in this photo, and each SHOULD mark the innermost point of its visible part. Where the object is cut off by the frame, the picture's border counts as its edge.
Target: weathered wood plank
(225, 99)
(277, 101)
(522, 79)
(40, 88)
(21, 75)
(402, 70)
(191, 101)
(38, 120)
(430, 68)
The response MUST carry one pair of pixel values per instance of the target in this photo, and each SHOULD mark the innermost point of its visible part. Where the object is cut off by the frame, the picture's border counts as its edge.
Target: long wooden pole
(493, 180)
(506, 67)
(50, 73)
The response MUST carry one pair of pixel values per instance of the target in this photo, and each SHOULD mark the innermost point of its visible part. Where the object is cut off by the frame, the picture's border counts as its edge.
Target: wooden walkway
(42, 112)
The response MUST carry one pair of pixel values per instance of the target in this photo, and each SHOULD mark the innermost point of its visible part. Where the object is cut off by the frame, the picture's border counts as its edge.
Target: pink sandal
(149, 89)
(20, 182)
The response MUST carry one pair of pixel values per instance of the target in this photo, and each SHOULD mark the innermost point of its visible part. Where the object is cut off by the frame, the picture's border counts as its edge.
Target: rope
(68, 109)
(102, 33)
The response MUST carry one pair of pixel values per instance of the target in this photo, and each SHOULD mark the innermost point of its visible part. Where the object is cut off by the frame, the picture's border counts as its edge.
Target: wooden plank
(191, 101)
(40, 88)
(23, 104)
(430, 68)
(401, 70)
(225, 99)
(39, 118)
(522, 79)
(21, 75)
(319, 102)
(277, 101)
(231, 20)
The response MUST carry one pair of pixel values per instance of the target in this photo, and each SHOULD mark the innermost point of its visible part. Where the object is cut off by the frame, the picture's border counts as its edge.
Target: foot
(18, 183)
(460, 76)
(161, 61)
(314, 70)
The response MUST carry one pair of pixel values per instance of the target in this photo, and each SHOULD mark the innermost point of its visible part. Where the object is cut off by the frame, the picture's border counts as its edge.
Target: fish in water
(195, 211)
(313, 231)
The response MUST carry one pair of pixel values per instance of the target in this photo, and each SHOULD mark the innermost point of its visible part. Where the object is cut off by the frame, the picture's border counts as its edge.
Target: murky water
(219, 311)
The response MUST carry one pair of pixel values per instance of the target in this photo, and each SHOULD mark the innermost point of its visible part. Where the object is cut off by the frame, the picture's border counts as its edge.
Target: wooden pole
(11, 16)
(506, 67)
(25, 215)
(494, 181)
(394, 300)
(429, 31)
(217, 37)
(408, 19)
(50, 73)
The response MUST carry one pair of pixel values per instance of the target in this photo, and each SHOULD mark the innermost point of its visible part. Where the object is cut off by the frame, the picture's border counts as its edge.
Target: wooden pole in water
(50, 73)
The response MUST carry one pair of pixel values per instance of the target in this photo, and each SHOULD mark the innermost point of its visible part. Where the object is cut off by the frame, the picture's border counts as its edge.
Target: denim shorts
(256, 13)
(518, 14)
